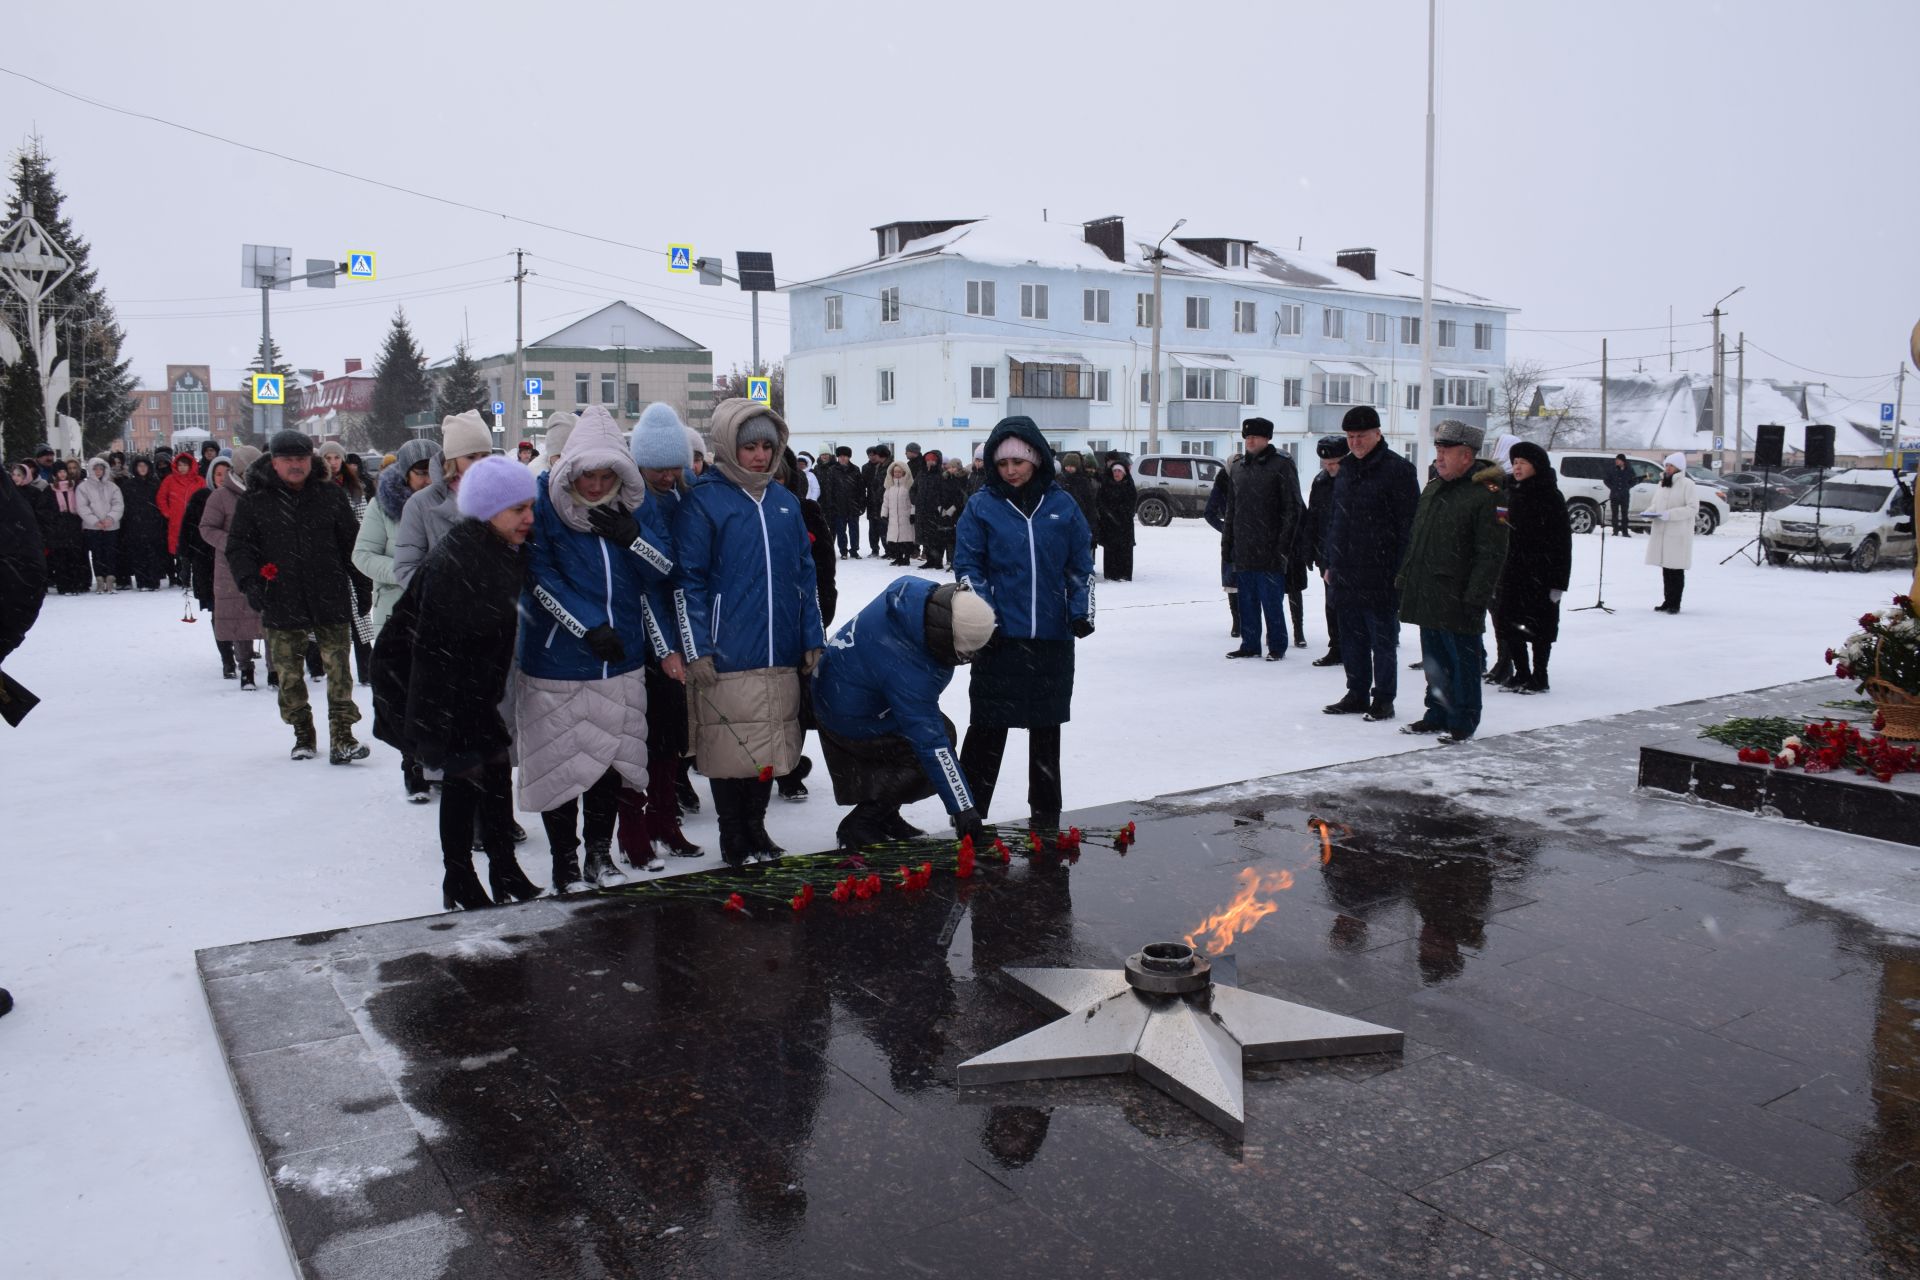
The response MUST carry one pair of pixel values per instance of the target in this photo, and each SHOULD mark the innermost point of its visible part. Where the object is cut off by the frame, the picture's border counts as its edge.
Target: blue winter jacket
(578, 581)
(744, 586)
(879, 679)
(1034, 567)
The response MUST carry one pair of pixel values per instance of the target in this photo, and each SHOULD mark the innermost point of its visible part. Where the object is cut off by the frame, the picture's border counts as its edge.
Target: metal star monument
(1164, 1018)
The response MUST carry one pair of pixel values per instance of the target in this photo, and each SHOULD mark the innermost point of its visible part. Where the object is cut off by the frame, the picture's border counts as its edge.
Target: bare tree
(1564, 420)
(1514, 393)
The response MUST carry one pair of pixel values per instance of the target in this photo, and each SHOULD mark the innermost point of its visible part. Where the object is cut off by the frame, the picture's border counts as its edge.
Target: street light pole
(1159, 256)
(1720, 375)
(1424, 423)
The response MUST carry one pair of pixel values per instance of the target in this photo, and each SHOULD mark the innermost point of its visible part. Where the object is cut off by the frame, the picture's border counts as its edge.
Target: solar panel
(756, 272)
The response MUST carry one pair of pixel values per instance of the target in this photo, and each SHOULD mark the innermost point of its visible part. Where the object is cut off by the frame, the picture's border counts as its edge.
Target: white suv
(1860, 516)
(1583, 480)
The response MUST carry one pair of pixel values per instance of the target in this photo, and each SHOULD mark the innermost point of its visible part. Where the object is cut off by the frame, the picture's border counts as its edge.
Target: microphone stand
(1600, 587)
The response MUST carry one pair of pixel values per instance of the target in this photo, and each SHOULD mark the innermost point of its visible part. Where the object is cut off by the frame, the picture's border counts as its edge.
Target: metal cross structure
(1165, 1018)
(33, 266)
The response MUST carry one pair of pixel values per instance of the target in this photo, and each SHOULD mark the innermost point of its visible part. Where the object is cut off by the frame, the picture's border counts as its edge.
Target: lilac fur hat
(492, 485)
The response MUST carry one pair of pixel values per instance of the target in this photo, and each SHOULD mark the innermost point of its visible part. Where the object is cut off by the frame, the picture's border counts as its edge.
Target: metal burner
(1164, 1018)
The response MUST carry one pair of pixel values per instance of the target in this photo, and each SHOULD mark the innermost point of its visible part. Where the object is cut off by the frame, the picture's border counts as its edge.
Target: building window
(1378, 328)
(1443, 333)
(633, 399)
(829, 390)
(1033, 302)
(1286, 320)
(1413, 396)
(1409, 331)
(1459, 393)
(1290, 393)
(1102, 386)
(890, 241)
(1201, 448)
(890, 305)
(1382, 393)
(1336, 388)
(607, 388)
(983, 381)
(979, 297)
(1051, 381)
(1333, 323)
(1099, 446)
(1143, 310)
(1236, 253)
(886, 386)
(1483, 337)
(1243, 317)
(581, 385)
(1146, 387)
(153, 402)
(1093, 305)
(1249, 390)
(833, 312)
(1210, 384)
(1199, 313)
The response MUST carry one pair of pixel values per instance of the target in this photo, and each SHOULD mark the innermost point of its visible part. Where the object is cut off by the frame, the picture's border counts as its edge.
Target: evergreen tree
(462, 388)
(86, 333)
(401, 386)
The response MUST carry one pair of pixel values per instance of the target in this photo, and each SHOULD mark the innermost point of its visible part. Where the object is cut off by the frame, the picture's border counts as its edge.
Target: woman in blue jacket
(1024, 545)
(749, 622)
(594, 608)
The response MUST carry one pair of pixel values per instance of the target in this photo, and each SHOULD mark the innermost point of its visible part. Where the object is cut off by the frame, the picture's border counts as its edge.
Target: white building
(957, 323)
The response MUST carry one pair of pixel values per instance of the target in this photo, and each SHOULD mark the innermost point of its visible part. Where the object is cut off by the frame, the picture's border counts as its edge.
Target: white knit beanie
(465, 434)
(973, 623)
(1676, 460)
(1015, 447)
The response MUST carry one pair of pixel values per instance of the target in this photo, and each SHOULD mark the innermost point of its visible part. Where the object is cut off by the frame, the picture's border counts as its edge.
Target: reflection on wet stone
(1614, 1065)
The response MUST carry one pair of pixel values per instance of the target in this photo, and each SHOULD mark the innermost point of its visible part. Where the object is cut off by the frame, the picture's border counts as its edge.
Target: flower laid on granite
(803, 899)
(912, 881)
(1000, 847)
(1068, 839)
(963, 862)
(1825, 747)
(734, 902)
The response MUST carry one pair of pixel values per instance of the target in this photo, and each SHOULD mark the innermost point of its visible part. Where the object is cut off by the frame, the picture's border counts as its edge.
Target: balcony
(1203, 415)
(1051, 413)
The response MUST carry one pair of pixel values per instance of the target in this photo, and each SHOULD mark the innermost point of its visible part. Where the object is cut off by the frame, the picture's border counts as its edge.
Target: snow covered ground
(151, 810)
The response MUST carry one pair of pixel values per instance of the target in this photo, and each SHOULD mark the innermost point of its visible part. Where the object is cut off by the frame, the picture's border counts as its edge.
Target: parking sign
(533, 386)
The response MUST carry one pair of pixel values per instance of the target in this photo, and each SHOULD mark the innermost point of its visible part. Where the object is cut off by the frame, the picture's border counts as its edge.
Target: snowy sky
(1597, 163)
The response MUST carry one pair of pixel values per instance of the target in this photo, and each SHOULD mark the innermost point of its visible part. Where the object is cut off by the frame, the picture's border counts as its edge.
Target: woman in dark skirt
(1116, 499)
(1534, 575)
(1024, 546)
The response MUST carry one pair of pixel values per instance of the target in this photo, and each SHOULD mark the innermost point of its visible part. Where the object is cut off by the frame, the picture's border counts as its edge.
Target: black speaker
(1819, 445)
(1769, 439)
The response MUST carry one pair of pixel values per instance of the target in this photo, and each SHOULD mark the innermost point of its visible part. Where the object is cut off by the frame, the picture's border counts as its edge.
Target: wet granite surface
(1616, 1064)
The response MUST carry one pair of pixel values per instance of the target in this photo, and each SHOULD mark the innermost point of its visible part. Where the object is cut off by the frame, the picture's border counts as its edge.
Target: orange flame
(1248, 908)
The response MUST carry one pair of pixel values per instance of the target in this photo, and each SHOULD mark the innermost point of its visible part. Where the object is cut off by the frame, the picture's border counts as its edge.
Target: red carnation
(735, 902)
(803, 899)
(1868, 619)
(269, 571)
(964, 869)
(766, 773)
(842, 891)
(1000, 847)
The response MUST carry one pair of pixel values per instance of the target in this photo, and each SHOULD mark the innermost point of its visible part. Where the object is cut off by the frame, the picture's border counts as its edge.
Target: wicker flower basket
(1900, 709)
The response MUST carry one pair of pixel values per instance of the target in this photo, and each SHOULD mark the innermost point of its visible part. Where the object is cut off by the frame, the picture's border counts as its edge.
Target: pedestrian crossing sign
(760, 390)
(680, 258)
(269, 388)
(360, 266)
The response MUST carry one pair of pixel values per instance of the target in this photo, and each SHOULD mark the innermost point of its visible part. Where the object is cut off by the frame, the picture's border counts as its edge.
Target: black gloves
(605, 643)
(1083, 627)
(967, 822)
(256, 594)
(614, 525)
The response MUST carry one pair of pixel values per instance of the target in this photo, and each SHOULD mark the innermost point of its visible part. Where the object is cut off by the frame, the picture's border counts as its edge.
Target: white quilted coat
(570, 732)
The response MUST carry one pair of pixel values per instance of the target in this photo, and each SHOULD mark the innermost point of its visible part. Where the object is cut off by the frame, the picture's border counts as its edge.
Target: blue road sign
(359, 266)
(760, 390)
(1886, 412)
(498, 408)
(680, 258)
(533, 386)
(269, 388)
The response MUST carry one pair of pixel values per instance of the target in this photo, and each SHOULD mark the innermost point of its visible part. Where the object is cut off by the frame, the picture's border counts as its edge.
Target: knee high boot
(563, 838)
(1515, 647)
(661, 818)
(762, 843)
(731, 811)
(1542, 650)
(1233, 608)
(1297, 606)
(227, 666)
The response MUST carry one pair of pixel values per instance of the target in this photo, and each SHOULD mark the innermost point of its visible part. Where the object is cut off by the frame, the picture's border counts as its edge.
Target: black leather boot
(460, 887)
(507, 880)
(1537, 683)
(763, 847)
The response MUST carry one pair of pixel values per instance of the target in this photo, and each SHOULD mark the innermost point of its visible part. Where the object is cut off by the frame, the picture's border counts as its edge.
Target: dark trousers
(876, 533)
(482, 803)
(1369, 649)
(1333, 627)
(602, 803)
(1453, 660)
(1673, 583)
(104, 546)
(1118, 565)
(1619, 511)
(986, 745)
(1263, 596)
(846, 533)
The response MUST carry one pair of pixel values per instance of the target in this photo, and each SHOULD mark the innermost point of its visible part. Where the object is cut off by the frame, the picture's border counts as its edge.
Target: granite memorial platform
(1615, 1063)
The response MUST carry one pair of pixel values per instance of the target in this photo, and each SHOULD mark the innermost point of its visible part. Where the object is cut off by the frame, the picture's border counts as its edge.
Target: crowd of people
(576, 633)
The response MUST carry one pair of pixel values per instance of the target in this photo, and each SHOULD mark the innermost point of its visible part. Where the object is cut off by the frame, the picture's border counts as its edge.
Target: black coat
(820, 535)
(1263, 512)
(873, 479)
(1080, 486)
(197, 552)
(1620, 482)
(977, 480)
(934, 494)
(1539, 557)
(1114, 501)
(843, 491)
(1319, 508)
(308, 536)
(442, 662)
(23, 568)
(1368, 526)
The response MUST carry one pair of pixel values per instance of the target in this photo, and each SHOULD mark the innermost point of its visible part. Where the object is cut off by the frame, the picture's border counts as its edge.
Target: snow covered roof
(1062, 246)
(1671, 411)
(619, 324)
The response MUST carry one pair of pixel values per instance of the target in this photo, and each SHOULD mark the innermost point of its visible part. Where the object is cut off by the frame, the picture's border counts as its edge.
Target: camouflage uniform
(287, 650)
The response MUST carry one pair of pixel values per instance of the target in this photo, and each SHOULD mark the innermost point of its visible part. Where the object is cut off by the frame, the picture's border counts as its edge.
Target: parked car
(1860, 516)
(1583, 481)
(1173, 484)
(1747, 490)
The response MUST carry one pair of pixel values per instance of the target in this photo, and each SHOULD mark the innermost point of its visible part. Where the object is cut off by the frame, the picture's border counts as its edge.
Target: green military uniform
(1454, 554)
